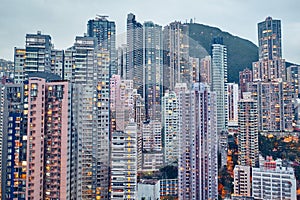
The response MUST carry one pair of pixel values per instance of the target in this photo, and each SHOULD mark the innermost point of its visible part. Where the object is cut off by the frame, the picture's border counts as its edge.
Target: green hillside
(241, 52)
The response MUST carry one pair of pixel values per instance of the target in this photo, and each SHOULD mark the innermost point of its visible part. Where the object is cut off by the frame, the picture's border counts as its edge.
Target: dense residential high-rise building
(232, 103)
(134, 52)
(40, 56)
(19, 62)
(269, 70)
(205, 70)
(7, 68)
(48, 142)
(275, 107)
(82, 113)
(269, 88)
(270, 65)
(124, 163)
(195, 69)
(245, 77)
(152, 65)
(273, 181)
(170, 122)
(152, 159)
(218, 85)
(241, 182)
(91, 126)
(176, 68)
(152, 140)
(269, 39)
(248, 131)
(293, 77)
(105, 33)
(122, 61)
(13, 134)
(169, 188)
(38, 53)
(219, 80)
(62, 63)
(121, 102)
(197, 165)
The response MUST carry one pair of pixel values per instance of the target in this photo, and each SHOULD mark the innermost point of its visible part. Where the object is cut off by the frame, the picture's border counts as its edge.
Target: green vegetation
(286, 148)
(280, 147)
(167, 172)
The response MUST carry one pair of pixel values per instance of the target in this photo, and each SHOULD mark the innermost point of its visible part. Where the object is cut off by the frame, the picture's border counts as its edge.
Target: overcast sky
(64, 19)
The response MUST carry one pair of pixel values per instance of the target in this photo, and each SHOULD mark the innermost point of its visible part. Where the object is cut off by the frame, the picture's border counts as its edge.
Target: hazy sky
(64, 19)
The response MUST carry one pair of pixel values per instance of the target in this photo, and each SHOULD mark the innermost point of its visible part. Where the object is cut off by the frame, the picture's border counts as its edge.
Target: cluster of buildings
(86, 122)
(267, 106)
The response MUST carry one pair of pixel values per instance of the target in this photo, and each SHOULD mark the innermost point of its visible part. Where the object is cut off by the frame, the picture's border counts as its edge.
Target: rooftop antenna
(102, 17)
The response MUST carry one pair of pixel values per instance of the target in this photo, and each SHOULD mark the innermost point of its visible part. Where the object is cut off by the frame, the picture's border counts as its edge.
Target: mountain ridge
(240, 52)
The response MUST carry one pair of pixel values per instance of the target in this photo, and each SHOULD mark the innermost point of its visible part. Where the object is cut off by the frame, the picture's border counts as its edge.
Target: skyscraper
(91, 127)
(176, 67)
(205, 70)
(218, 85)
(270, 66)
(269, 87)
(134, 52)
(219, 80)
(232, 103)
(275, 107)
(197, 165)
(105, 33)
(38, 52)
(13, 138)
(19, 62)
(121, 102)
(152, 64)
(269, 39)
(170, 122)
(248, 131)
(152, 146)
(245, 77)
(124, 163)
(48, 139)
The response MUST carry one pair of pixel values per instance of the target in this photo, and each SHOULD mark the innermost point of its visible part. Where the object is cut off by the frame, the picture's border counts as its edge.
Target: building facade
(170, 121)
(248, 131)
(124, 163)
(134, 59)
(105, 33)
(152, 65)
(232, 103)
(219, 80)
(197, 165)
(242, 183)
(176, 68)
(13, 137)
(48, 139)
(273, 182)
(38, 52)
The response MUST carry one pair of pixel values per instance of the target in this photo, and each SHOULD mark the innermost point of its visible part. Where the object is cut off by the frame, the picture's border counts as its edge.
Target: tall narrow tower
(152, 64)
(105, 33)
(134, 68)
(248, 131)
(198, 164)
(219, 80)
